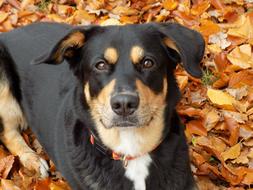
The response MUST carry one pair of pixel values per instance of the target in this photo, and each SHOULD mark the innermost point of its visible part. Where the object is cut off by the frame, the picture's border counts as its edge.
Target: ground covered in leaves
(216, 110)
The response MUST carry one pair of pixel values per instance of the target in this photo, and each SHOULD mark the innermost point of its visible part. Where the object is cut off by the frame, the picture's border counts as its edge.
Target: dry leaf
(6, 164)
(196, 127)
(220, 98)
(241, 56)
(232, 152)
(182, 81)
(8, 185)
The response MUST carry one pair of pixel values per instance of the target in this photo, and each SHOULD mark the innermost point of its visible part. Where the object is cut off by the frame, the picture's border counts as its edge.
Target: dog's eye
(102, 65)
(147, 63)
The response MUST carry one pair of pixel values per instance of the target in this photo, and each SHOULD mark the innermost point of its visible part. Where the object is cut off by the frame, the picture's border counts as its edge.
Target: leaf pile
(217, 110)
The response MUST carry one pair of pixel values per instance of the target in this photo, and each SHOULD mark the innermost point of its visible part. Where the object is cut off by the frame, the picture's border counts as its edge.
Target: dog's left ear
(66, 48)
(189, 44)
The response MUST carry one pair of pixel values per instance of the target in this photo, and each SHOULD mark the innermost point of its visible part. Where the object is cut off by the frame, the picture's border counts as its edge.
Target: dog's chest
(137, 170)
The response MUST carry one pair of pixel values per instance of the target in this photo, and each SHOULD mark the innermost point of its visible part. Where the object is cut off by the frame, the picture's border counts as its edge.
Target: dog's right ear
(66, 48)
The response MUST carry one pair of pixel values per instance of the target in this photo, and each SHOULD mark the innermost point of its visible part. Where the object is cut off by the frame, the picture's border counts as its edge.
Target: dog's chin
(125, 124)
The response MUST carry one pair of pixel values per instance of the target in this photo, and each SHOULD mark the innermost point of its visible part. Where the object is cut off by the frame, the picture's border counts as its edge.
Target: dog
(101, 101)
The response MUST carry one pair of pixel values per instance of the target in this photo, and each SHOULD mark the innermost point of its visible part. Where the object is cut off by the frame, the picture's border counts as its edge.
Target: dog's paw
(32, 161)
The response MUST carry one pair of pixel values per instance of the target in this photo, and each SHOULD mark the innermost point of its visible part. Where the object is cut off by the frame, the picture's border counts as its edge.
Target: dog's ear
(66, 48)
(189, 44)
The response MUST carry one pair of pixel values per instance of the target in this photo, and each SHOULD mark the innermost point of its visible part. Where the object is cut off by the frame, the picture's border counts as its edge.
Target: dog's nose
(124, 104)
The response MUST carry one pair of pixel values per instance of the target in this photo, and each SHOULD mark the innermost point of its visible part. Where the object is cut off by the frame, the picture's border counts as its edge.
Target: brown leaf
(196, 127)
(221, 82)
(6, 164)
(42, 185)
(233, 128)
(240, 79)
(221, 61)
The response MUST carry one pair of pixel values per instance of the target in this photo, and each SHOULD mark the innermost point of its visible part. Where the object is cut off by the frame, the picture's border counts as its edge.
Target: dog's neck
(126, 144)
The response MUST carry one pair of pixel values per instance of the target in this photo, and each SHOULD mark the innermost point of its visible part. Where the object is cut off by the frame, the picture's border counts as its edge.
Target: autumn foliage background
(217, 110)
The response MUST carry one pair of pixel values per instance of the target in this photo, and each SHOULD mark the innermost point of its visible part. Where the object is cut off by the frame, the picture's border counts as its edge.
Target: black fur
(53, 98)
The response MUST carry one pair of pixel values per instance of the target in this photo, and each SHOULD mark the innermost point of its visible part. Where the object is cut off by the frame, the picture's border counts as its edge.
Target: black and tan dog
(101, 101)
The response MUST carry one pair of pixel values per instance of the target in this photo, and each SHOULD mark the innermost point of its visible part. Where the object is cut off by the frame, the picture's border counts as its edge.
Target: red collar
(115, 156)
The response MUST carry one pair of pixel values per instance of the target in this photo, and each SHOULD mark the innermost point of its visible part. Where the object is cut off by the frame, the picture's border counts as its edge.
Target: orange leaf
(170, 4)
(196, 127)
(221, 61)
(42, 185)
(200, 8)
(218, 4)
(240, 79)
(59, 185)
(198, 159)
(189, 20)
(208, 28)
(234, 130)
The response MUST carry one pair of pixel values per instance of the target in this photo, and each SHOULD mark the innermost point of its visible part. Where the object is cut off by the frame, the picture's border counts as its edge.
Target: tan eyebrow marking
(136, 54)
(111, 55)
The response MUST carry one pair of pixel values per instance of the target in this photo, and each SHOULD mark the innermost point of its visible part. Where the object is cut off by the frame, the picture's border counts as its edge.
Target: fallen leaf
(170, 4)
(233, 128)
(196, 127)
(220, 98)
(208, 28)
(243, 28)
(241, 79)
(8, 185)
(3, 16)
(182, 81)
(241, 56)
(6, 164)
(232, 152)
(212, 117)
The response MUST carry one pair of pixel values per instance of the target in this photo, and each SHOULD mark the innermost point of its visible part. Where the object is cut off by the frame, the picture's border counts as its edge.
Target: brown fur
(13, 120)
(75, 39)
(168, 42)
(136, 54)
(148, 136)
(98, 106)
(111, 55)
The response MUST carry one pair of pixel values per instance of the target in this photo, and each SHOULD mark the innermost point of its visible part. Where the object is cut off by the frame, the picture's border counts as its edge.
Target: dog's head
(127, 76)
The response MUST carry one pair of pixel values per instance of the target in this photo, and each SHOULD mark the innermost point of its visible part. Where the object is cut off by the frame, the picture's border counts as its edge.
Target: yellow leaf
(26, 3)
(232, 153)
(55, 18)
(110, 21)
(243, 28)
(170, 4)
(8, 185)
(82, 15)
(220, 98)
(241, 56)
(3, 16)
(182, 81)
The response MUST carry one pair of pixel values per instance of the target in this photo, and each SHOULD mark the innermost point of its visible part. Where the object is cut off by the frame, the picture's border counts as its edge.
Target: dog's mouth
(125, 123)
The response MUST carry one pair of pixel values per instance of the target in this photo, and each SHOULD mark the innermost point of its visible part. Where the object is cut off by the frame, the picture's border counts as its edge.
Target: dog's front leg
(13, 121)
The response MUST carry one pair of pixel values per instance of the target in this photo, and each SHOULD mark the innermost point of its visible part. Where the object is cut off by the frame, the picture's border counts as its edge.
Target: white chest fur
(137, 170)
